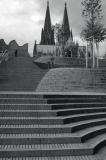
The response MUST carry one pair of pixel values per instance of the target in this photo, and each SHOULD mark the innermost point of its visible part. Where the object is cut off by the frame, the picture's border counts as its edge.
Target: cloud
(23, 20)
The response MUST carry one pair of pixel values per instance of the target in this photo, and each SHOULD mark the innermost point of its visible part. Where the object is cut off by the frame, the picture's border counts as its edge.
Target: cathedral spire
(47, 36)
(66, 26)
(47, 25)
(47, 3)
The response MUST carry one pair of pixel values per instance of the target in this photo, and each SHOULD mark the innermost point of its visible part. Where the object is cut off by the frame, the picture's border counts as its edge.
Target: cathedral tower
(66, 27)
(47, 35)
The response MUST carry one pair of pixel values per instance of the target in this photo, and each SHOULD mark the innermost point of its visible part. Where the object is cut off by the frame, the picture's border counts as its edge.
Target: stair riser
(99, 146)
(33, 141)
(82, 118)
(93, 134)
(79, 111)
(22, 101)
(74, 96)
(20, 96)
(25, 107)
(54, 101)
(30, 122)
(34, 130)
(73, 106)
(45, 153)
(27, 114)
(87, 125)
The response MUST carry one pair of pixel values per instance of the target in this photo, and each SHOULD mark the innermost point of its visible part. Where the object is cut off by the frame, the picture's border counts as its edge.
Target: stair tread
(38, 135)
(53, 126)
(54, 111)
(49, 99)
(87, 114)
(29, 111)
(31, 118)
(56, 135)
(55, 158)
(44, 147)
(56, 104)
(59, 117)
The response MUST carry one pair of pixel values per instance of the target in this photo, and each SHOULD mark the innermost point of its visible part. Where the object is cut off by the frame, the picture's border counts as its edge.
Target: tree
(93, 19)
(58, 33)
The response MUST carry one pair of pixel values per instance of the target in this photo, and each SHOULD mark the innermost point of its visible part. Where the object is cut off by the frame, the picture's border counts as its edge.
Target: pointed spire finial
(65, 4)
(47, 3)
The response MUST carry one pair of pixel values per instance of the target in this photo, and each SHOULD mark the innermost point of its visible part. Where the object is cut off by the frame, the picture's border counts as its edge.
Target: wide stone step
(83, 136)
(25, 107)
(50, 120)
(22, 101)
(45, 150)
(48, 113)
(27, 113)
(30, 120)
(51, 101)
(49, 107)
(60, 138)
(52, 129)
(77, 149)
(77, 105)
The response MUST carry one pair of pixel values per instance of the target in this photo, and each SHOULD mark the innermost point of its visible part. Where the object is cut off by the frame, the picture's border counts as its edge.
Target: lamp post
(98, 55)
(97, 46)
(93, 52)
(87, 55)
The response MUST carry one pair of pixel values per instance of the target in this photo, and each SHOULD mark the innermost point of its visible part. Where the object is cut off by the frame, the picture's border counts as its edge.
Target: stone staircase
(20, 74)
(77, 62)
(73, 80)
(72, 62)
(52, 126)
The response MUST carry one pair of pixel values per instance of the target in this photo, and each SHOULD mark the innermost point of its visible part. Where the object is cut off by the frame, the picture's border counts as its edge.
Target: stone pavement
(20, 74)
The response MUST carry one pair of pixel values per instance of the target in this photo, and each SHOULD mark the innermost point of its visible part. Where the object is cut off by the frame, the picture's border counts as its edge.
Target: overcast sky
(22, 20)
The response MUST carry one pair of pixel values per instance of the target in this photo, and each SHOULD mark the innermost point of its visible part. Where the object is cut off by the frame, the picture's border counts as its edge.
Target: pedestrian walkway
(20, 74)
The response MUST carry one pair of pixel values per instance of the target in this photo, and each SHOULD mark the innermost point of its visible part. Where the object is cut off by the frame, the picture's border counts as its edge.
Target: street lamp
(92, 37)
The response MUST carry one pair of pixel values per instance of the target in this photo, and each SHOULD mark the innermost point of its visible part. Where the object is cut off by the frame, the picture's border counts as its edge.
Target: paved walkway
(20, 74)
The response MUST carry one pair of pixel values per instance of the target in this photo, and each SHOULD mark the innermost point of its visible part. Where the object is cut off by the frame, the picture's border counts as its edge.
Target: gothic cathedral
(47, 34)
